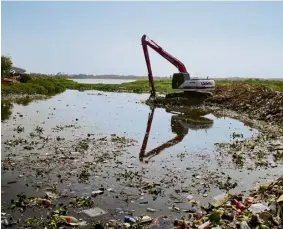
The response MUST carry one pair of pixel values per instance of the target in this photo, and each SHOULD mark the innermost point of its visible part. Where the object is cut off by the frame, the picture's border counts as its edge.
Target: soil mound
(257, 101)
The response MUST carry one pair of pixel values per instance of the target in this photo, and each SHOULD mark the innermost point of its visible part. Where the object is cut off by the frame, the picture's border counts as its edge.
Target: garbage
(190, 197)
(146, 219)
(176, 209)
(204, 225)
(216, 216)
(249, 200)
(244, 225)
(73, 221)
(127, 225)
(5, 222)
(219, 200)
(96, 193)
(258, 208)
(151, 210)
(51, 195)
(129, 219)
(43, 202)
(144, 202)
(236, 211)
(280, 199)
(238, 204)
(93, 212)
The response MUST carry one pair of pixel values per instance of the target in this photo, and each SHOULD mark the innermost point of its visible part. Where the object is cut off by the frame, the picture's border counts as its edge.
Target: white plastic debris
(190, 197)
(146, 219)
(204, 225)
(244, 225)
(258, 208)
(219, 200)
(95, 193)
(127, 225)
(93, 212)
(151, 210)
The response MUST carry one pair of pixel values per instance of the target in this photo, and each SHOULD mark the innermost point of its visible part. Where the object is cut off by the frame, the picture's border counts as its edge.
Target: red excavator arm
(177, 63)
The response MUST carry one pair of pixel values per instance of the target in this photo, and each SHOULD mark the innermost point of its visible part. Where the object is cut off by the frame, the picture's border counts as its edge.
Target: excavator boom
(177, 63)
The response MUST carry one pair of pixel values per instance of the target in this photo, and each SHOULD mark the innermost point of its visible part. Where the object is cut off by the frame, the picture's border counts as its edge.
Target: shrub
(24, 78)
(6, 66)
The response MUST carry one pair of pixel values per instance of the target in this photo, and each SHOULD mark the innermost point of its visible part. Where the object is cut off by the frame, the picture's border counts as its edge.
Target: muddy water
(173, 154)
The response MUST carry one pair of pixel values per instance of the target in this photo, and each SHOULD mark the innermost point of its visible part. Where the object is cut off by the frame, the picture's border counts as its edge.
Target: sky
(216, 39)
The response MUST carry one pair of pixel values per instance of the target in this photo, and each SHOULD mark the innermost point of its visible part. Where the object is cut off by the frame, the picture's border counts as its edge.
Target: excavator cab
(179, 78)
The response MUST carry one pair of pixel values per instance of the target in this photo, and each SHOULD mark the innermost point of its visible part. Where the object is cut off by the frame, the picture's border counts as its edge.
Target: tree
(6, 65)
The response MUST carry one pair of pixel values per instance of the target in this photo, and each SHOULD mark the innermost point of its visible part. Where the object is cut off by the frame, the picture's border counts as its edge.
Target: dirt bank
(257, 102)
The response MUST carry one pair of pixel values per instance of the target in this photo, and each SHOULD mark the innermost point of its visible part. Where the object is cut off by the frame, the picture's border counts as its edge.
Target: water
(123, 114)
(173, 150)
(104, 81)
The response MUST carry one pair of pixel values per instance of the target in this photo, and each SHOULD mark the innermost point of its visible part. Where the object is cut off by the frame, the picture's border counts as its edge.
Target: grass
(275, 85)
(55, 85)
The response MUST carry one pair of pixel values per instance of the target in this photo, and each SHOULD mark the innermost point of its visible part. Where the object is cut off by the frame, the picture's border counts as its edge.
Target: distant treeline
(85, 76)
(133, 77)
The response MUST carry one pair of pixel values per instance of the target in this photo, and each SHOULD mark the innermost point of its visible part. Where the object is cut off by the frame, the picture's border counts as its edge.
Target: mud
(257, 102)
(128, 160)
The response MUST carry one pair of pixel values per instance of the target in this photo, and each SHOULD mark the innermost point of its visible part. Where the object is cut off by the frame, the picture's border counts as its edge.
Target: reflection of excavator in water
(180, 125)
(192, 87)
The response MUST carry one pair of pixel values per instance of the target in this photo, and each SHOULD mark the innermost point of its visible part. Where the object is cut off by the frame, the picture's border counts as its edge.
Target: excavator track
(191, 95)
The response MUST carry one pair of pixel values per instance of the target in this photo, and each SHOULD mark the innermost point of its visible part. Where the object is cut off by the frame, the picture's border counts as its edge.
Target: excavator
(182, 81)
(180, 125)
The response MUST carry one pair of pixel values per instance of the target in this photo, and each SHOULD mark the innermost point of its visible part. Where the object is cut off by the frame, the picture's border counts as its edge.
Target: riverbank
(54, 85)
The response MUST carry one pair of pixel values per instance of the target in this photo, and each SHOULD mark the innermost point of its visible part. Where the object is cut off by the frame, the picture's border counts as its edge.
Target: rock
(93, 212)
